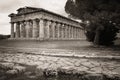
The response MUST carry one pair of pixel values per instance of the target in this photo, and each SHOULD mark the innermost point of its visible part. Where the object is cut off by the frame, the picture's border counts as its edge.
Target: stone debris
(19, 68)
(12, 71)
(94, 77)
(6, 65)
(49, 65)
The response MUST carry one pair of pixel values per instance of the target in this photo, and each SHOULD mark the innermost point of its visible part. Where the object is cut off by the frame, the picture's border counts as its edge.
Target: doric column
(27, 29)
(53, 30)
(17, 30)
(82, 36)
(66, 27)
(41, 29)
(47, 27)
(72, 32)
(58, 30)
(12, 30)
(30, 28)
(75, 32)
(62, 31)
(79, 33)
(22, 29)
(34, 28)
(69, 32)
(82, 33)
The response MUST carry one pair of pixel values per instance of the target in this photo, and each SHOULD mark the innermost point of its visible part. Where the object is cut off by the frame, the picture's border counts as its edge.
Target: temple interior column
(12, 30)
(17, 30)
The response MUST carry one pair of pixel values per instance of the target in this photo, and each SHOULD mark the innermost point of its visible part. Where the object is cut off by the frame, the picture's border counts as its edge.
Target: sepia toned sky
(10, 6)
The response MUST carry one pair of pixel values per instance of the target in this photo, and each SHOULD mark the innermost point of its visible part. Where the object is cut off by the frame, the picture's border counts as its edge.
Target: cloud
(10, 6)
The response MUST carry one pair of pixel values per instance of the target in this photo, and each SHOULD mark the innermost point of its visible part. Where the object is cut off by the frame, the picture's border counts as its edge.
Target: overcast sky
(10, 6)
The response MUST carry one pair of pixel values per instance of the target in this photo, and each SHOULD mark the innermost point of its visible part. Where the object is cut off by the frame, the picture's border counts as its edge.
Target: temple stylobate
(39, 24)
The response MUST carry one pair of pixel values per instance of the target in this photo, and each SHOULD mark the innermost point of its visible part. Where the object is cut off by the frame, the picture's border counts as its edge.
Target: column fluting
(12, 30)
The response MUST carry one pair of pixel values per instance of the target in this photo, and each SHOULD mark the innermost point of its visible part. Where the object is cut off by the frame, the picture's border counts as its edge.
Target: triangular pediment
(26, 10)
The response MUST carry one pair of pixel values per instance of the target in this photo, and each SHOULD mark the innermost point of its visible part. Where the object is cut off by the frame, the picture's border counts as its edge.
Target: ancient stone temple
(40, 24)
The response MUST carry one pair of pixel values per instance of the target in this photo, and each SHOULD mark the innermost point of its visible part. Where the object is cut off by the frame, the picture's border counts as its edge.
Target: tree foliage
(103, 15)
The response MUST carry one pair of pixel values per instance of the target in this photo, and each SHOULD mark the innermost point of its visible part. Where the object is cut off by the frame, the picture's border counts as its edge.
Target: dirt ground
(21, 60)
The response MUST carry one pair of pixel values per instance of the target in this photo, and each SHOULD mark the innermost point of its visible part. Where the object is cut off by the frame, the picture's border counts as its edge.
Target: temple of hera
(40, 24)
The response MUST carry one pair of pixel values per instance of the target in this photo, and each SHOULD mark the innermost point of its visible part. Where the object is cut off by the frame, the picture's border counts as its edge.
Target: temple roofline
(41, 9)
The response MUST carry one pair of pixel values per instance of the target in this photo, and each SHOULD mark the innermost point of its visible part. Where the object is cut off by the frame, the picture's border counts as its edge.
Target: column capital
(49, 22)
(12, 22)
(26, 21)
(63, 24)
(54, 22)
(41, 19)
(36, 20)
(58, 24)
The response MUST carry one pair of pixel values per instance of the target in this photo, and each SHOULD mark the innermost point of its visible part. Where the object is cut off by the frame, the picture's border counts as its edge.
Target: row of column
(44, 29)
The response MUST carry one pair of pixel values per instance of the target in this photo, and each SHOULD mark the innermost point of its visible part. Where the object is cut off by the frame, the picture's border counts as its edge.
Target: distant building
(40, 24)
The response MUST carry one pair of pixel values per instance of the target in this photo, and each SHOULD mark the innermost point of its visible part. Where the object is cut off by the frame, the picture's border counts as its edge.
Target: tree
(103, 17)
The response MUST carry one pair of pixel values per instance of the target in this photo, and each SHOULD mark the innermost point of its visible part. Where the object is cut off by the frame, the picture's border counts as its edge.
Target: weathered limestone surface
(98, 69)
(38, 24)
